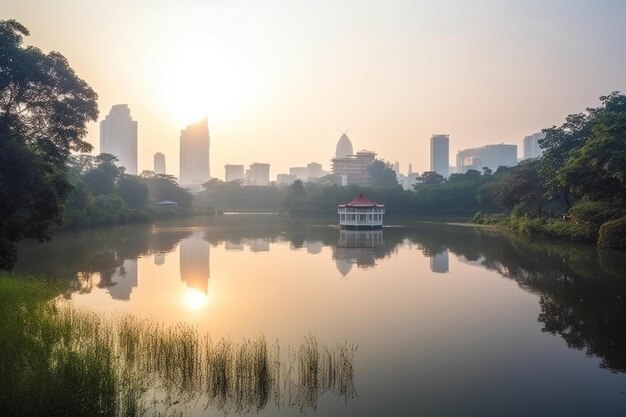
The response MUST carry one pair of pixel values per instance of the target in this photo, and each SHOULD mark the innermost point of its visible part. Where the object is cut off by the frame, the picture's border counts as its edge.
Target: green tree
(382, 174)
(521, 186)
(133, 191)
(44, 110)
(101, 179)
(429, 177)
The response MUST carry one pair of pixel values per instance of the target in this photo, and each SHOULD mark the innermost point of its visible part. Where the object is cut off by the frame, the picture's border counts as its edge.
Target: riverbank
(609, 234)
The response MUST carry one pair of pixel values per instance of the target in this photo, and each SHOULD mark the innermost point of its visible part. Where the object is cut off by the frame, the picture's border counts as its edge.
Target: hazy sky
(279, 79)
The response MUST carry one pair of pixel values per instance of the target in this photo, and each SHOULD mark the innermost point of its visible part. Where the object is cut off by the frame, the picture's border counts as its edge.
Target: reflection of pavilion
(439, 262)
(124, 279)
(194, 262)
(360, 247)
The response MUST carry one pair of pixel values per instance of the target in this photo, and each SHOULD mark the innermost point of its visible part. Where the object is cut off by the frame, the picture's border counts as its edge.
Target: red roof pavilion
(361, 202)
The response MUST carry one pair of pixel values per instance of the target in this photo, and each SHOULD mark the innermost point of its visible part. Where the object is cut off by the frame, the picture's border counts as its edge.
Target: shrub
(597, 212)
(613, 234)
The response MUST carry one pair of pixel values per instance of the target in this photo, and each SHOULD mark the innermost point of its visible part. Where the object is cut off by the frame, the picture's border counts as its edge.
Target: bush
(613, 234)
(597, 212)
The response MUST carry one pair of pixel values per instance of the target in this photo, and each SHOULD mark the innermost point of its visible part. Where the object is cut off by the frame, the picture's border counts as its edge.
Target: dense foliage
(44, 110)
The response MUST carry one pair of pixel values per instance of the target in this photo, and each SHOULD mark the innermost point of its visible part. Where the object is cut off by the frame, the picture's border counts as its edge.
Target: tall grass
(59, 360)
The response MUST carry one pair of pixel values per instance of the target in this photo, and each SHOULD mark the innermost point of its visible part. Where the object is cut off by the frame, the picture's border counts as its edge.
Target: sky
(280, 80)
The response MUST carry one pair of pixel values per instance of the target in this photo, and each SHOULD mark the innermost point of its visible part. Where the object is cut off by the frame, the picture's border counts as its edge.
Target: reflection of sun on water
(195, 299)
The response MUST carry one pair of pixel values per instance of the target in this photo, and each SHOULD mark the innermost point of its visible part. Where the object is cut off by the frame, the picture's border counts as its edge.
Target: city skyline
(474, 72)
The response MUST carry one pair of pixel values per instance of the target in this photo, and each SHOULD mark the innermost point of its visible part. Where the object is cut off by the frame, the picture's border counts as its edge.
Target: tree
(429, 177)
(521, 186)
(382, 174)
(133, 191)
(44, 110)
(102, 177)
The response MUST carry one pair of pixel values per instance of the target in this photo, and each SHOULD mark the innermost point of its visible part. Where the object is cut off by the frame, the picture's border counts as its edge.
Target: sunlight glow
(195, 299)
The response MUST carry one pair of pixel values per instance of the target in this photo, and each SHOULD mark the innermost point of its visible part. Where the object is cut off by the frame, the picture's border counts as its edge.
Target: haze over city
(278, 81)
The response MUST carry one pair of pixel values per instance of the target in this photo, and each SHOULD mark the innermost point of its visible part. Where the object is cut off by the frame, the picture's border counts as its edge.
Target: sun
(200, 77)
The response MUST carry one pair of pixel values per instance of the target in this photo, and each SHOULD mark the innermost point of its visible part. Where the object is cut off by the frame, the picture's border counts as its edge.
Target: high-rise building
(396, 167)
(440, 154)
(410, 170)
(298, 172)
(489, 156)
(314, 170)
(233, 173)
(194, 154)
(531, 145)
(159, 163)
(118, 137)
(354, 168)
(258, 174)
(344, 147)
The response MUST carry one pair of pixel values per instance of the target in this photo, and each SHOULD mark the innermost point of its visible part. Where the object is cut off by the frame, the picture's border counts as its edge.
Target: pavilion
(361, 213)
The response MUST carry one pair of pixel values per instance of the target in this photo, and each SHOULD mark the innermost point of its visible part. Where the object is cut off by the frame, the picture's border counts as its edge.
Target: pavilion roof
(361, 202)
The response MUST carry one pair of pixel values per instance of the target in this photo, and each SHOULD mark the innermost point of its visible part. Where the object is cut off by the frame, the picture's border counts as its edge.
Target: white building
(258, 174)
(233, 173)
(361, 213)
(159, 163)
(118, 137)
(531, 145)
(194, 154)
(490, 156)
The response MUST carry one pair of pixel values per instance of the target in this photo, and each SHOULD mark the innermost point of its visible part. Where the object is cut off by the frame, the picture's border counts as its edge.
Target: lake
(446, 320)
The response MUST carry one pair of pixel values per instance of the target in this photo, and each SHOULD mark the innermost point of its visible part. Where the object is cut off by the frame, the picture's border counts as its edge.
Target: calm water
(449, 320)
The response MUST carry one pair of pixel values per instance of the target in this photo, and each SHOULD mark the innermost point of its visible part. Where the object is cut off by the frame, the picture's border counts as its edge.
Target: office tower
(233, 173)
(159, 163)
(258, 174)
(194, 154)
(440, 154)
(344, 147)
(531, 145)
(490, 156)
(194, 262)
(410, 171)
(396, 167)
(314, 170)
(354, 168)
(298, 172)
(118, 137)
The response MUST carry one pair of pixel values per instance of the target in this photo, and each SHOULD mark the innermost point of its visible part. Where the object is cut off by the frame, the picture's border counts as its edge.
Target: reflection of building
(354, 169)
(159, 163)
(194, 262)
(118, 137)
(259, 245)
(361, 213)
(313, 247)
(230, 245)
(159, 258)
(439, 154)
(439, 262)
(531, 145)
(194, 154)
(258, 174)
(490, 156)
(360, 247)
(124, 279)
(233, 173)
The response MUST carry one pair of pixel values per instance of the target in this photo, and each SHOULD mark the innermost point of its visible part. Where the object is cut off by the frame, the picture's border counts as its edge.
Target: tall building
(314, 170)
(194, 154)
(258, 174)
(233, 173)
(440, 154)
(118, 137)
(298, 172)
(396, 167)
(159, 163)
(344, 147)
(354, 168)
(531, 145)
(490, 156)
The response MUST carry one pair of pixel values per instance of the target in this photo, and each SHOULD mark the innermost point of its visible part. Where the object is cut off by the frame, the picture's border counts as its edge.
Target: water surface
(448, 320)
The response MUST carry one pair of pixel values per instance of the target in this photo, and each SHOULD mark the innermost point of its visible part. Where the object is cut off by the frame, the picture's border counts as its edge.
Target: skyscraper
(531, 145)
(194, 154)
(258, 174)
(490, 156)
(440, 154)
(344, 147)
(118, 137)
(233, 173)
(159, 163)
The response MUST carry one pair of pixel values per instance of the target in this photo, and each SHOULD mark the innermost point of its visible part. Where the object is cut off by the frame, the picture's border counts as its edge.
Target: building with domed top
(344, 147)
(361, 213)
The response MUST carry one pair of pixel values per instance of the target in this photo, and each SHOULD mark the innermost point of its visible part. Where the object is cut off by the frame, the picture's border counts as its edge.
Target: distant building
(194, 154)
(285, 179)
(298, 172)
(258, 174)
(531, 145)
(361, 213)
(396, 168)
(159, 163)
(440, 154)
(118, 137)
(314, 170)
(233, 173)
(490, 156)
(410, 170)
(354, 168)
(344, 147)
